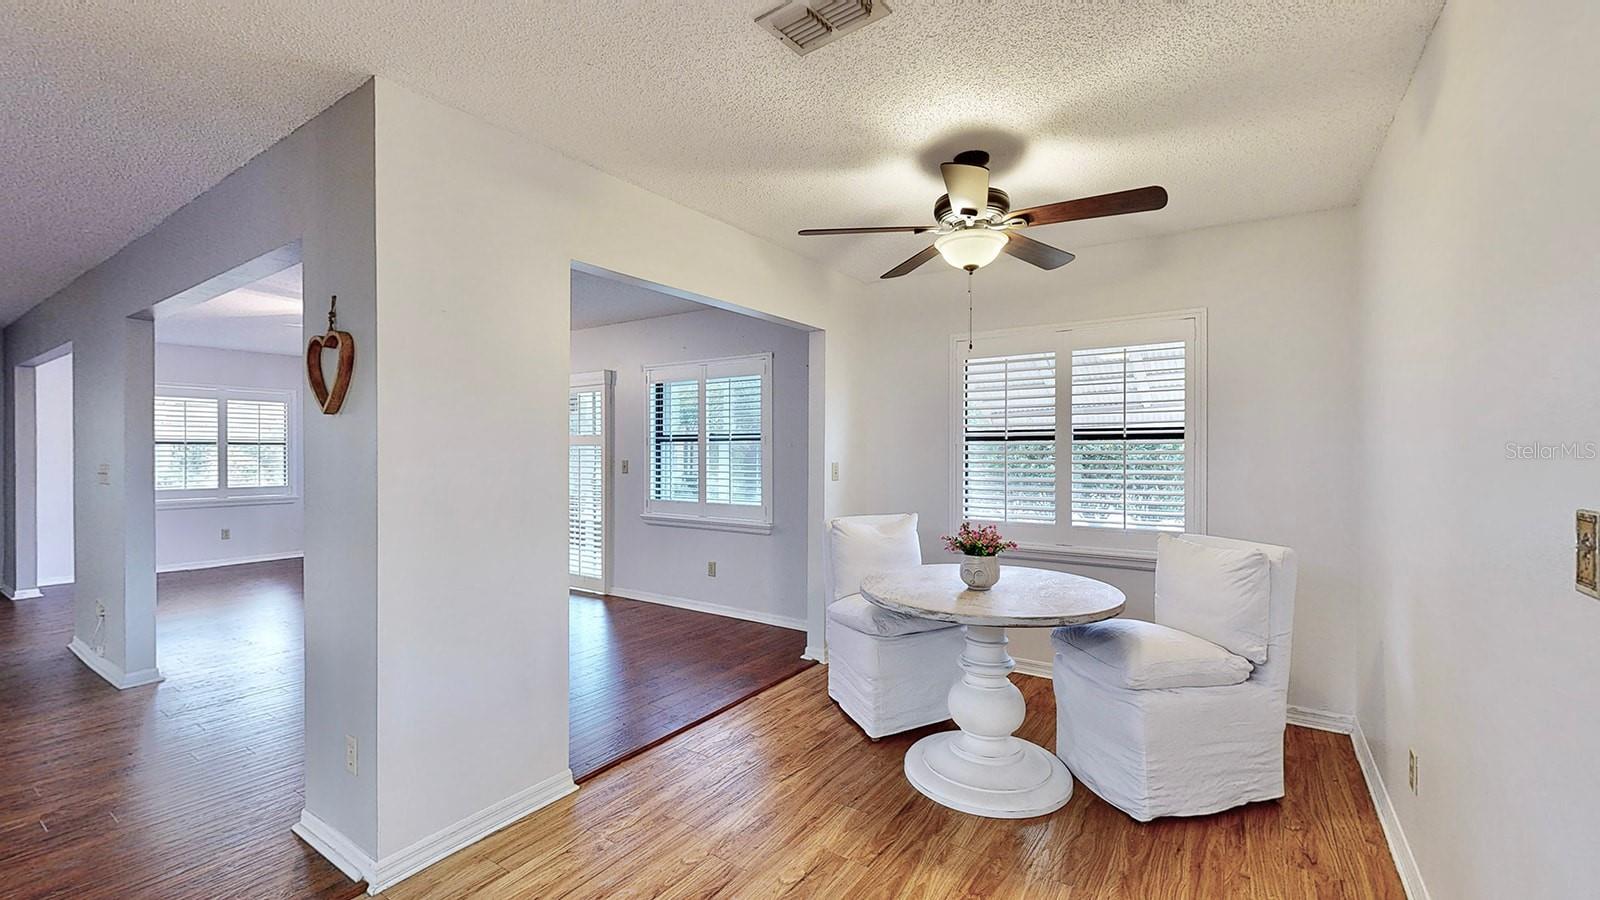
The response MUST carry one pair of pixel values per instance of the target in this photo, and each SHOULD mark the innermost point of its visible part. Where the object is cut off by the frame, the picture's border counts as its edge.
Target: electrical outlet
(227, 534)
(1411, 774)
(835, 471)
(102, 473)
(350, 755)
(624, 467)
(100, 609)
(711, 569)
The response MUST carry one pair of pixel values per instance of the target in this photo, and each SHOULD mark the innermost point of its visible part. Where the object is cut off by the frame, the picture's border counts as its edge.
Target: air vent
(803, 27)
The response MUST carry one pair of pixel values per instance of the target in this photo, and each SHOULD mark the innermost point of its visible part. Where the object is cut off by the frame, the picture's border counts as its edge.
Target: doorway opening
(228, 482)
(690, 479)
(41, 536)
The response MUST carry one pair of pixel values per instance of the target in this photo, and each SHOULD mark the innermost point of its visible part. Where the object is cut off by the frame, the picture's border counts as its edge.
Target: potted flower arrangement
(981, 548)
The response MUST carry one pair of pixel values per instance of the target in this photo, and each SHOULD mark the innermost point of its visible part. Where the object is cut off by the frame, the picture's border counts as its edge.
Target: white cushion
(1220, 594)
(859, 546)
(857, 613)
(1145, 656)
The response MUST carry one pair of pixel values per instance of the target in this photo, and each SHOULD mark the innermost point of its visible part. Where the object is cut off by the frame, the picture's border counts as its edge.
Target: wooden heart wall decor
(330, 399)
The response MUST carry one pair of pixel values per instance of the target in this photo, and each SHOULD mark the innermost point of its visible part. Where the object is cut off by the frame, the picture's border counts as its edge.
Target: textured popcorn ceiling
(113, 115)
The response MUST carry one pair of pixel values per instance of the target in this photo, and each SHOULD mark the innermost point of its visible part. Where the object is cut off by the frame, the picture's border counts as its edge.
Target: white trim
(334, 846)
(54, 582)
(1099, 557)
(709, 523)
(715, 609)
(1034, 667)
(223, 494)
(110, 671)
(1106, 555)
(1322, 719)
(721, 516)
(223, 563)
(385, 873)
(815, 654)
(238, 500)
(605, 381)
(402, 864)
(1404, 862)
(12, 593)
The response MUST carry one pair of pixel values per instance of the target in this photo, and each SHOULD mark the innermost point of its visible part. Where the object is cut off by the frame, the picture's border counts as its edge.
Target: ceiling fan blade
(875, 229)
(1029, 250)
(968, 187)
(927, 253)
(1137, 200)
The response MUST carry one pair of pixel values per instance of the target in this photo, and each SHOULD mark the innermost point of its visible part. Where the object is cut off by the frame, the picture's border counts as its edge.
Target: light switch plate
(624, 467)
(1587, 552)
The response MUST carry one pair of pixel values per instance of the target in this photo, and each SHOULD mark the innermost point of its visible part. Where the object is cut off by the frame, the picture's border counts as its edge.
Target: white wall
(314, 187)
(189, 536)
(1281, 402)
(477, 232)
(52, 387)
(762, 574)
(1481, 327)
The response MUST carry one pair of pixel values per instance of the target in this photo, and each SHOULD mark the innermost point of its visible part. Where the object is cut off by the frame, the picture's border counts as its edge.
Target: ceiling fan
(976, 224)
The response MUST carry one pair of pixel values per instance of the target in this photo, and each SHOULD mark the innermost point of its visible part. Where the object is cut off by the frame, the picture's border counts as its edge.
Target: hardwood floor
(641, 672)
(782, 796)
(187, 789)
(178, 790)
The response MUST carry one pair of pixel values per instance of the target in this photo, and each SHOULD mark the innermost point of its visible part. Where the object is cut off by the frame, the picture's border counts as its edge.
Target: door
(589, 481)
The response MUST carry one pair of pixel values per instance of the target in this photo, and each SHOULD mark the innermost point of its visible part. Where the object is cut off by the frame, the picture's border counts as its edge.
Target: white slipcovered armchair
(889, 672)
(1184, 716)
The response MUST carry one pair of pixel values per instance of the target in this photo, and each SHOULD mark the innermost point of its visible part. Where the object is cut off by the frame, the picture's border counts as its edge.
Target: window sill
(1099, 557)
(709, 523)
(215, 502)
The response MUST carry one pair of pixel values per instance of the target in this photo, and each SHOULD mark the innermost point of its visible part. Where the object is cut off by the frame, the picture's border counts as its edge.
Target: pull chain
(969, 309)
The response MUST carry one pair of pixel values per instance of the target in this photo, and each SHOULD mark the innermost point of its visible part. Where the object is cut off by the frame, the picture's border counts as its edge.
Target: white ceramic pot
(980, 572)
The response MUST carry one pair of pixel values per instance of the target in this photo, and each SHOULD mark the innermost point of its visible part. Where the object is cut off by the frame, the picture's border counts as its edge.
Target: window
(588, 416)
(1127, 465)
(258, 443)
(186, 443)
(709, 433)
(222, 445)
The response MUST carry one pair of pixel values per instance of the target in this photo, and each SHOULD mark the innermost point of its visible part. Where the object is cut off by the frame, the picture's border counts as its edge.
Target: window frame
(1062, 541)
(755, 519)
(223, 494)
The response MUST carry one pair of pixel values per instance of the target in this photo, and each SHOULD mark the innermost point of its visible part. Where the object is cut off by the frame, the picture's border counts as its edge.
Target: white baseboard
(385, 873)
(1322, 720)
(715, 609)
(1035, 668)
(334, 846)
(109, 670)
(222, 563)
(817, 654)
(24, 594)
(1404, 862)
(54, 582)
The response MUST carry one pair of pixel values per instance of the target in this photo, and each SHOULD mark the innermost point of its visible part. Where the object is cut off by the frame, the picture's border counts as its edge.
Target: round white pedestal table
(983, 768)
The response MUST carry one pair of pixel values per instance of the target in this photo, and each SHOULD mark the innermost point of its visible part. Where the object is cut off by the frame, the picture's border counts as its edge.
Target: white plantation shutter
(1128, 437)
(733, 440)
(675, 440)
(710, 438)
(186, 443)
(586, 487)
(1082, 439)
(1008, 458)
(258, 443)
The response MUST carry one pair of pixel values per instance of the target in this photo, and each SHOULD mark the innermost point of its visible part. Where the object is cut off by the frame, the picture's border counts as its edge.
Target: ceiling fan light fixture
(970, 248)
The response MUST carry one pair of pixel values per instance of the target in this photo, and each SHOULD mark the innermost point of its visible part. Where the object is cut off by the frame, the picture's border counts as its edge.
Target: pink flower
(985, 540)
